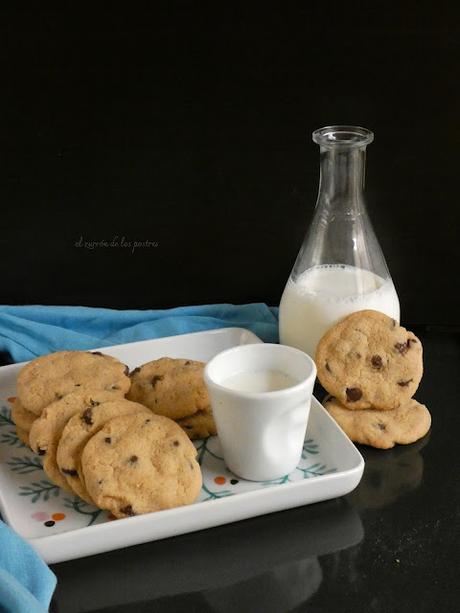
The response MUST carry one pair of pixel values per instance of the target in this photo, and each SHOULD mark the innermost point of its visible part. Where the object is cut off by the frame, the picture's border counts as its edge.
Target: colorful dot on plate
(49, 524)
(58, 516)
(40, 516)
(220, 480)
(234, 481)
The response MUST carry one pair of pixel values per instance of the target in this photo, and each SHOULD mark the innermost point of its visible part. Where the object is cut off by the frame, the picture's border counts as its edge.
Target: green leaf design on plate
(215, 495)
(315, 470)
(24, 465)
(202, 449)
(80, 506)
(309, 447)
(40, 490)
(11, 438)
(5, 417)
(279, 481)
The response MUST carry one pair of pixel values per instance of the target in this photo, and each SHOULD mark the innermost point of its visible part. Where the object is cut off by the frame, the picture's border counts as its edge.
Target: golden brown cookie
(170, 387)
(77, 432)
(51, 377)
(21, 416)
(138, 464)
(200, 425)
(47, 429)
(382, 429)
(368, 360)
(23, 436)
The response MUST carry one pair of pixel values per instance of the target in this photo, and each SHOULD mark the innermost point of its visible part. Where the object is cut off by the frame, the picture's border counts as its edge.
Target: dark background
(189, 125)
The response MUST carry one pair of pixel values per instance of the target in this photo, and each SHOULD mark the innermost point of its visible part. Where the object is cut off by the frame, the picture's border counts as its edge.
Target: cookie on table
(382, 429)
(368, 360)
(200, 425)
(47, 429)
(77, 432)
(51, 377)
(21, 416)
(138, 464)
(170, 387)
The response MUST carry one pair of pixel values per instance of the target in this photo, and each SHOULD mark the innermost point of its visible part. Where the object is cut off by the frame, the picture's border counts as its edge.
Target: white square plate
(61, 527)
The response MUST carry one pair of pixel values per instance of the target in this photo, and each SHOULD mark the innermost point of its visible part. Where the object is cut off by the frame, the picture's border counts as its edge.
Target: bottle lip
(342, 137)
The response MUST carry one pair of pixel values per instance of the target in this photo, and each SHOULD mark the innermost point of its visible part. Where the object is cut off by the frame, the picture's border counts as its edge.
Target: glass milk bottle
(340, 267)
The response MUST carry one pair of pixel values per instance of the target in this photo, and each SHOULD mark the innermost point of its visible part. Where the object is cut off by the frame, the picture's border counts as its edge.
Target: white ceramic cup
(261, 433)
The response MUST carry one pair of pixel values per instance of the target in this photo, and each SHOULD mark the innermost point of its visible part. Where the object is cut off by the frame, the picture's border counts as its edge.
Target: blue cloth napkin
(26, 583)
(29, 331)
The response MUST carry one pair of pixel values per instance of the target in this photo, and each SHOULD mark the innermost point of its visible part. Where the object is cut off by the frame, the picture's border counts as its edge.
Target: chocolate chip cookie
(382, 429)
(21, 416)
(23, 436)
(170, 387)
(138, 464)
(47, 429)
(368, 360)
(200, 425)
(77, 432)
(51, 377)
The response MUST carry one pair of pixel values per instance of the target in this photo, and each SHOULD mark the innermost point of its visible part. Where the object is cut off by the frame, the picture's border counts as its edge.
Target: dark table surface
(391, 545)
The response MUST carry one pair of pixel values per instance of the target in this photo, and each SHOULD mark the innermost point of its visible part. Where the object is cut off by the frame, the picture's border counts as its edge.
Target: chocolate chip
(188, 427)
(69, 471)
(126, 370)
(133, 459)
(328, 368)
(100, 481)
(147, 421)
(156, 378)
(380, 426)
(87, 416)
(133, 372)
(187, 363)
(95, 352)
(377, 362)
(353, 394)
(77, 384)
(176, 443)
(107, 440)
(127, 510)
(404, 383)
(402, 347)
(41, 451)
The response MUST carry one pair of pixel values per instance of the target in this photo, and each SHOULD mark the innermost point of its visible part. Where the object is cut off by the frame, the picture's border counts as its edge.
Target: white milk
(322, 295)
(259, 381)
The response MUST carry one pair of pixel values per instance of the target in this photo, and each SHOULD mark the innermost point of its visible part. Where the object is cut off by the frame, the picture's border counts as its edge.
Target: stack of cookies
(371, 367)
(175, 388)
(112, 452)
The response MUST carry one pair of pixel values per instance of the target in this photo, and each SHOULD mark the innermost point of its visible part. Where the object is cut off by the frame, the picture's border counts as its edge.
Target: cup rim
(260, 395)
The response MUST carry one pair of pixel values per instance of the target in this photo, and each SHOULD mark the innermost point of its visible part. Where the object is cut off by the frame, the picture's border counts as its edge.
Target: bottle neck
(342, 177)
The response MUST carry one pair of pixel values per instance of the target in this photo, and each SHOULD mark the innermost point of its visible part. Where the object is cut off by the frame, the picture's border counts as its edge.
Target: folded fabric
(29, 331)
(26, 583)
